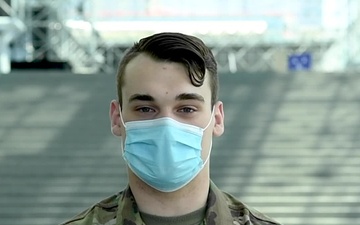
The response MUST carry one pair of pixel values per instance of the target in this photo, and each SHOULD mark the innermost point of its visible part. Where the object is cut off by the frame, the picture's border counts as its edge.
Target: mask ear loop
(121, 118)
(122, 143)
(211, 118)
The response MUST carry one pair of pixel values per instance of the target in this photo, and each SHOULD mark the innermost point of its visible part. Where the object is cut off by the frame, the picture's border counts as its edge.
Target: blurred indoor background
(288, 72)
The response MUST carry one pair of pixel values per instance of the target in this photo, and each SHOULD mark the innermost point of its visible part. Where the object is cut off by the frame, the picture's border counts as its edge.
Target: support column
(9, 29)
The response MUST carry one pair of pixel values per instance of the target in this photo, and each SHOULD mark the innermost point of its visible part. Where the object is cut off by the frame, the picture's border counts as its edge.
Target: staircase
(83, 57)
(50, 38)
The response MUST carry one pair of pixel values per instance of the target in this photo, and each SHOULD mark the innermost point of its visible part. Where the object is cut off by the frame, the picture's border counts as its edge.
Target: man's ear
(219, 119)
(115, 121)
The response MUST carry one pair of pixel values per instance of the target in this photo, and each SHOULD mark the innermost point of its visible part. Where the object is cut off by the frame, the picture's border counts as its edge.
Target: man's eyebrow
(140, 97)
(190, 96)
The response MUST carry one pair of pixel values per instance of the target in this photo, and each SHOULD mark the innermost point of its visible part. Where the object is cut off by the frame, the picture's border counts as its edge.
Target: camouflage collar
(221, 209)
(217, 209)
(128, 211)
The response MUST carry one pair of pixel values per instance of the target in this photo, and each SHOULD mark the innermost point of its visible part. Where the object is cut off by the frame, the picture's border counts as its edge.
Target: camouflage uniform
(121, 209)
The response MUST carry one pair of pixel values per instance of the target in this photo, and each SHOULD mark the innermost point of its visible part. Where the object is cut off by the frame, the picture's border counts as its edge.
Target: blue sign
(299, 62)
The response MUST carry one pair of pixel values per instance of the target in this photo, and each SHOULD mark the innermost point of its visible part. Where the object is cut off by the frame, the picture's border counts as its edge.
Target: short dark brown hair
(188, 50)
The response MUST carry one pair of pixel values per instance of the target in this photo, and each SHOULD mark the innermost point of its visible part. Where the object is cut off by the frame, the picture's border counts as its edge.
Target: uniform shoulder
(259, 218)
(101, 212)
(246, 213)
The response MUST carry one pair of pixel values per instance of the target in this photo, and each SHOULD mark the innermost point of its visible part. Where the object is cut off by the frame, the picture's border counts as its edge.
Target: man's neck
(186, 200)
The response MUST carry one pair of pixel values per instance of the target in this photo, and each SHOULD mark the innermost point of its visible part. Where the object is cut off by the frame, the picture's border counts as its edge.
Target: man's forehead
(144, 75)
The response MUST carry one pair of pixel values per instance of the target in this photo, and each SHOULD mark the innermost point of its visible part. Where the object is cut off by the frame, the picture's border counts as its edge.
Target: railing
(10, 27)
(48, 36)
(87, 52)
(242, 56)
(77, 47)
(84, 57)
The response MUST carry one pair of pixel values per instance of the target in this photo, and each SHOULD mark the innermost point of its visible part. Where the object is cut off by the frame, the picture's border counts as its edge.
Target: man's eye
(145, 109)
(187, 110)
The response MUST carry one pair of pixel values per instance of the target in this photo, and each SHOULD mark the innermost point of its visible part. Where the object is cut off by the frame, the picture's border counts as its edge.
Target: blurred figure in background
(166, 115)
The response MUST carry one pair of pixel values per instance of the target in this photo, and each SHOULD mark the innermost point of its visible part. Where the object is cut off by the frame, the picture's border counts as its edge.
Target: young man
(166, 115)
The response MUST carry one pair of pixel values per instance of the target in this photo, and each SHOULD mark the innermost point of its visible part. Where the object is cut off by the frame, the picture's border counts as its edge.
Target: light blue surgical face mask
(164, 153)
